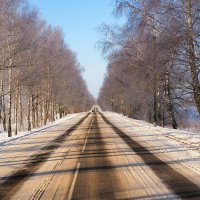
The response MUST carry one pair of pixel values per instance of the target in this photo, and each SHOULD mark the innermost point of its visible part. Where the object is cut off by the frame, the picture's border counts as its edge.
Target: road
(92, 158)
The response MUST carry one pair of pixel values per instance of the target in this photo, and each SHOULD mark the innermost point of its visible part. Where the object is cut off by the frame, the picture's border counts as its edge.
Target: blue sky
(79, 20)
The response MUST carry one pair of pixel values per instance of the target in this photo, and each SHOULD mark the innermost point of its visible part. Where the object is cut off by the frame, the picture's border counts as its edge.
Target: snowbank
(4, 139)
(181, 146)
(190, 139)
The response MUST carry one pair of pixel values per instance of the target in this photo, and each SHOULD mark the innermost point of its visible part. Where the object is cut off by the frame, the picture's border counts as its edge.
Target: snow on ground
(191, 139)
(4, 139)
(180, 145)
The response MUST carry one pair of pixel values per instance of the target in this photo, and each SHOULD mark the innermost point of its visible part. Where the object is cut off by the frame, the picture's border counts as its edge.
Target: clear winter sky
(79, 20)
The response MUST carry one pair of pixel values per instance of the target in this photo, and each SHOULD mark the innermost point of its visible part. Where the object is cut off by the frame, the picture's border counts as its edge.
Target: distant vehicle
(95, 109)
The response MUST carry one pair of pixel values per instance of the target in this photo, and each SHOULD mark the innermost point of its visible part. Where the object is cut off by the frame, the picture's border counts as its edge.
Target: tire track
(103, 187)
(40, 191)
(176, 182)
(11, 184)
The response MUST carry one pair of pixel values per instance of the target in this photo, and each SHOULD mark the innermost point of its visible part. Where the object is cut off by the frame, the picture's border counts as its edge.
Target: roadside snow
(190, 139)
(4, 139)
(182, 146)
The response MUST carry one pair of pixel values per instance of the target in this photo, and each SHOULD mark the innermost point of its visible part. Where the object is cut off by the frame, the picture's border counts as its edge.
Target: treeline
(154, 60)
(40, 78)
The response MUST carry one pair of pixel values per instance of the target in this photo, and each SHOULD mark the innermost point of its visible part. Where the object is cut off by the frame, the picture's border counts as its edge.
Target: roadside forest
(153, 58)
(40, 77)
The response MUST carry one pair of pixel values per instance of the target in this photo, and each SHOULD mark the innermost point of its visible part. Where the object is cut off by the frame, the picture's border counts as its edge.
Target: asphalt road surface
(91, 158)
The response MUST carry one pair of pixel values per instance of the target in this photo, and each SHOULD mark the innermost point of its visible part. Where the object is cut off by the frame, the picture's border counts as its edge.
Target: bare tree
(154, 48)
(40, 78)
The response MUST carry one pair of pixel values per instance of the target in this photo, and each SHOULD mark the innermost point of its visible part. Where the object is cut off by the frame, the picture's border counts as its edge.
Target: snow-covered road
(100, 156)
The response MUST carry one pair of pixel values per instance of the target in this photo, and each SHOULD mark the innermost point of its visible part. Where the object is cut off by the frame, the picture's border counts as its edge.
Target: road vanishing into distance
(93, 157)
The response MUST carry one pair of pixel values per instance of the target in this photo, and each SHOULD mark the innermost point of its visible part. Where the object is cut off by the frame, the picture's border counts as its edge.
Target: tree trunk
(37, 110)
(33, 111)
(45, 112)
(169, 101)
(29, 114)
(10, 102)
(4, 119)
(2, 89)
(158, 110)
(53, 110)
(155, 104)
(16, 110)
(192, 60)
(41, 113)
(21, 112)
(1, 100)
(4, 110)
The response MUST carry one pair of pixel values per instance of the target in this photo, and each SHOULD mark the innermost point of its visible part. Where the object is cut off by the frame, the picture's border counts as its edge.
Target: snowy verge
(4, 139)
(178, 145)
(190, 139)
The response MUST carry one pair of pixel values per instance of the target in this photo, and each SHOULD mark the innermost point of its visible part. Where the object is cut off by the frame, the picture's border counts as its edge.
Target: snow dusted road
(99, 156)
